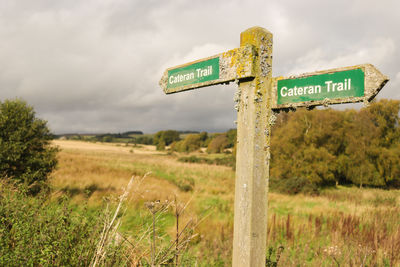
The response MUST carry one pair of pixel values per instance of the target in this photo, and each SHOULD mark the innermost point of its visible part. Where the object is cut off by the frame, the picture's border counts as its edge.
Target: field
(340, 227)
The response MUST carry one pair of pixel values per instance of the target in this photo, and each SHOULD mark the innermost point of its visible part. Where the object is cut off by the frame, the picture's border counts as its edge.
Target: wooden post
(253, 154)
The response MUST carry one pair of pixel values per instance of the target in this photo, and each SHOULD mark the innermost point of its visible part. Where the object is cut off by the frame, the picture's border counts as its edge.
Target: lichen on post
(253, 154)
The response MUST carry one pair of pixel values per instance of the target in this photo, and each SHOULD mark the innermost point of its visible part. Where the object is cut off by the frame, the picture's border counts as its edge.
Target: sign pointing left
(225, 67)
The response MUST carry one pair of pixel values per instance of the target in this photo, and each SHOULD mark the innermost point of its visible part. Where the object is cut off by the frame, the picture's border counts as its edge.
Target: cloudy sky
(94, 65)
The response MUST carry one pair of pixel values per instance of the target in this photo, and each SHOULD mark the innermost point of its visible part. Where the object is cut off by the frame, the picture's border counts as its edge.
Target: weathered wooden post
(253, 153)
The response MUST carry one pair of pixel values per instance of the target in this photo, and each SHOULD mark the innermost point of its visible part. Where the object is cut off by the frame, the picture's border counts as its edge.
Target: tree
(231, 135)
(329, 146)
(161, 145)
(26, 155)
(192, 142)
(305, 144)
(165, 137)
(218, 144)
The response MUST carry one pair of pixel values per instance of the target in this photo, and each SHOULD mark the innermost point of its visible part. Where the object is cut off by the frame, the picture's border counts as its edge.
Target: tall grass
(344, 226)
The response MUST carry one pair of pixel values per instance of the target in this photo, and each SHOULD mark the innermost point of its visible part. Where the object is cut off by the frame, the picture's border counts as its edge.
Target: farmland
(342, 226)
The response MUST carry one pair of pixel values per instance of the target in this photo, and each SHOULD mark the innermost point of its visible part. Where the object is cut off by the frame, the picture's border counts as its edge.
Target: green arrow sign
(343, 85)
(221, 68)
(203, 71)
(340, 84)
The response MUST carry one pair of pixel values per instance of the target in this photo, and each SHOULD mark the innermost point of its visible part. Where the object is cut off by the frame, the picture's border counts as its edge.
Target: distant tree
(26, 155)
(192, 142)
(161, 145)
(385, 116)
(144, 140)
(388, 165)
(231, 135)
(107, 139)
(326, 146)
(306, 144)
(132, 133)
(203, 138)
(166, 137)
(372, 145)
(218, 144)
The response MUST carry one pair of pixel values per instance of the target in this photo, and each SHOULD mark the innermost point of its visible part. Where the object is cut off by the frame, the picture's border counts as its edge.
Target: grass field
(340, 227)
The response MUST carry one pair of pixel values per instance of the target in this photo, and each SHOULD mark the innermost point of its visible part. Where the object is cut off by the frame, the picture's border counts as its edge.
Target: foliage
(192, 142)
(37, 232)
(218, 144)
(25, 152)
(231, 135)
(203, 138)
(269, 262)
(160, 145)
(166, 137)
(144, 140)
(339, 147)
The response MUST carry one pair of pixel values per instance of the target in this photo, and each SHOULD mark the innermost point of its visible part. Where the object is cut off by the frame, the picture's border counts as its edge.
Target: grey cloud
(94, 66)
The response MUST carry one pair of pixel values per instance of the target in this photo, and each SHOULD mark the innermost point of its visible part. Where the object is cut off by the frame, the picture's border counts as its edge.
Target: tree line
(320, 147)
(339, 147)
(214, 143)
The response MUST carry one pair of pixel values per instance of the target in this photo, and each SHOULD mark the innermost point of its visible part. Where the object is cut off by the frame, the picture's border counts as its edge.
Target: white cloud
(376, 52)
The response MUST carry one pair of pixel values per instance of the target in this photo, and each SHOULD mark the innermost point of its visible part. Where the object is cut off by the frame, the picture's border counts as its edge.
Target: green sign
(336, 85)
(199, 72)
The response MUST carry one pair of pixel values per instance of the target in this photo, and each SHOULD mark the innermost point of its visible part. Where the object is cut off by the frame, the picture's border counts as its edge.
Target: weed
(273, 253)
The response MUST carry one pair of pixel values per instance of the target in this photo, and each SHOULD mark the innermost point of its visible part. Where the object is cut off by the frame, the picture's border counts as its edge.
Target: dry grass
(345, 226)
(109, 168)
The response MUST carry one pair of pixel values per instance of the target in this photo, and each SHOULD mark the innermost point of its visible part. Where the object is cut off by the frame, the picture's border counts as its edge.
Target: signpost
(259, 96)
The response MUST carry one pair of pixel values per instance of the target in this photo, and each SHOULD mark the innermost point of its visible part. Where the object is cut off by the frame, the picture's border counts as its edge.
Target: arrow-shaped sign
(229, 66)
(335, 86)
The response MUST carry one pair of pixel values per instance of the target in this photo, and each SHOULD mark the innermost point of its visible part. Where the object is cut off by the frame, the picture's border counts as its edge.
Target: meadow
(343, 226)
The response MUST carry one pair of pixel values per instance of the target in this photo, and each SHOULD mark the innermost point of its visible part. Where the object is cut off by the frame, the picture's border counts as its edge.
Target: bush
(186, 184)
(191, 143)
(25, 152)
(161, 145)
(232, 136)
(37, 232)
(218, 144)
(165, 137)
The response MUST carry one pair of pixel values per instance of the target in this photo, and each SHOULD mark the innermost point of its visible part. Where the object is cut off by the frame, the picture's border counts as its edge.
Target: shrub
(218, 144)
(25, 151)
(37, 232)
(231, 135)
(168, 137)
(161, 145)
(186, 184)
(191, 143)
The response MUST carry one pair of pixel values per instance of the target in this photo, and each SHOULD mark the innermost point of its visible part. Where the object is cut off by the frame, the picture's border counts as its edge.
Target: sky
(93, 66)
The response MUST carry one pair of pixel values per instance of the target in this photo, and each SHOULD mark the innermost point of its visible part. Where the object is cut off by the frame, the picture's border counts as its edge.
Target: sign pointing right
(335, 86)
